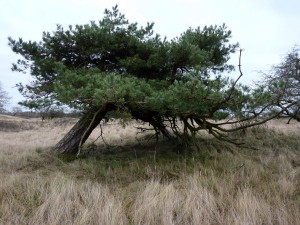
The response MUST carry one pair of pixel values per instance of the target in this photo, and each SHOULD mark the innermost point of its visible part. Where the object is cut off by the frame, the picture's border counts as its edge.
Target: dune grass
(128, 180)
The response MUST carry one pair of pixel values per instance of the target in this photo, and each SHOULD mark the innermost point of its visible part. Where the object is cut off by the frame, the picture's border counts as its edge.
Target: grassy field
(125, 179)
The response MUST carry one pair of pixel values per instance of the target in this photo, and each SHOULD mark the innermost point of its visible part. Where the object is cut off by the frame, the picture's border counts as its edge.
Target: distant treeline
(50, 114)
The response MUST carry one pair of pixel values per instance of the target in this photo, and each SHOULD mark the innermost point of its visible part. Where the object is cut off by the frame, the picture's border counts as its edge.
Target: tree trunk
(151, 117)
(72, 141)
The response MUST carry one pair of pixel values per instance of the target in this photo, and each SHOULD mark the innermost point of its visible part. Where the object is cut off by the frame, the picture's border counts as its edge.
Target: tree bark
(72, 141)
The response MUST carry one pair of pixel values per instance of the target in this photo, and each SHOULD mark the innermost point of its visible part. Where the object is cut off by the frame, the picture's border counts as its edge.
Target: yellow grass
(148, 185)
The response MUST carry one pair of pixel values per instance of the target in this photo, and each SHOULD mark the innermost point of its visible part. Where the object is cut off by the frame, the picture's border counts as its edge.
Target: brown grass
(132, 183)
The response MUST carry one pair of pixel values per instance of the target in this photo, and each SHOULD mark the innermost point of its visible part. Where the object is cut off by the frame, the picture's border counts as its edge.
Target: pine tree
(115, 65)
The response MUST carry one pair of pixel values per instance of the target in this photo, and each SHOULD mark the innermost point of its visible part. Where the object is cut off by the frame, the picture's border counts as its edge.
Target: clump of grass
(58, 200)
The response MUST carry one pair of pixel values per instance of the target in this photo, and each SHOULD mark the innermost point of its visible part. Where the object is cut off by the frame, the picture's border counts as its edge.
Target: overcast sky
(265, 29)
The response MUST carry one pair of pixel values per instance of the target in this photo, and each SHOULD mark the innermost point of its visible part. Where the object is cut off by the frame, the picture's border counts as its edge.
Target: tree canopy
(115, 65)
(283, 81)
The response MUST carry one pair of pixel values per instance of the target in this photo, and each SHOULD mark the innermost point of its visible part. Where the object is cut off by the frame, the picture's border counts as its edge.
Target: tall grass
(129, 183)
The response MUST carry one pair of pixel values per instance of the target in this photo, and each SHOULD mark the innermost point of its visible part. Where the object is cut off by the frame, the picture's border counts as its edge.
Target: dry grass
(136, 184)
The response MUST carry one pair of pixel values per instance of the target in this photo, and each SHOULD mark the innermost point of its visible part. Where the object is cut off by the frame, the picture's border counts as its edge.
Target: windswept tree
(115, 65)
(283, 81)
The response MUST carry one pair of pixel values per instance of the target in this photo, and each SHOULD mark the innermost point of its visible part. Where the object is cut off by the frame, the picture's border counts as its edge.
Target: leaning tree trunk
(151, 117)
(72, 141)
